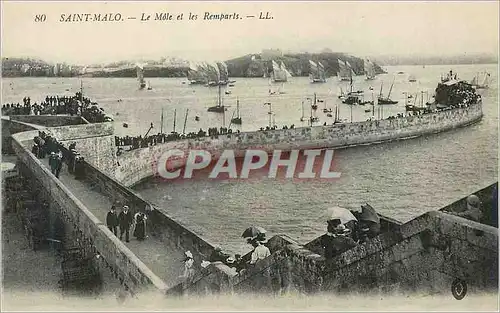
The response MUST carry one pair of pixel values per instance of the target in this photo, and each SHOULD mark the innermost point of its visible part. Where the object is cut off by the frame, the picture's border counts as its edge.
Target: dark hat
(334, 222)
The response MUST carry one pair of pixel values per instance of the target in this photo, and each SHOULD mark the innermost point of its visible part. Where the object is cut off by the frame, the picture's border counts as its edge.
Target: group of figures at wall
(44, 144)
(125, 221)
(52, 105)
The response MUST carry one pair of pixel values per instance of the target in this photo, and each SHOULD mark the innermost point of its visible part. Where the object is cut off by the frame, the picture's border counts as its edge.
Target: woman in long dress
(140, 226)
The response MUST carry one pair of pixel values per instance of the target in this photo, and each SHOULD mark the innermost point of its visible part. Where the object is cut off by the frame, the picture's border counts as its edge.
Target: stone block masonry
(134, 273)
(140, 164)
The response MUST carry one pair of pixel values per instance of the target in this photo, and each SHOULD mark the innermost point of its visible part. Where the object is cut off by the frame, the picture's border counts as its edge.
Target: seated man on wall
(336, 241)
(473, 211)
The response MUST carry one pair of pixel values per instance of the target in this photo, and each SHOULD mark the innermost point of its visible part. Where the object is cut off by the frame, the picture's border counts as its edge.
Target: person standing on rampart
(112, 220)
(125, 220)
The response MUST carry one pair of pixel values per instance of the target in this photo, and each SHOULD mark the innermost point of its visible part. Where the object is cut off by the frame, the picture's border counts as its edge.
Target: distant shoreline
(168, 72)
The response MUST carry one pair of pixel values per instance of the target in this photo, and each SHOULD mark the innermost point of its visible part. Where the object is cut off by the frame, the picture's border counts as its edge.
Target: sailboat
(325, 110)
(196, 75)
(337, 116)
(149, 86)
(280, 74)
(140, 76)
(213, 74)
(412, 78)
(353, 97)
(303, 116)
(237, 120)
(314, 106)
(386, 100)
(317, 74)
(219, 108)
(369, 69)
(345, 71)
(484, 82)
(223, 73)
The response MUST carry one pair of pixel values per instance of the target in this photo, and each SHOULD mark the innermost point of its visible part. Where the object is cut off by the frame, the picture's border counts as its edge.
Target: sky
(359, 28)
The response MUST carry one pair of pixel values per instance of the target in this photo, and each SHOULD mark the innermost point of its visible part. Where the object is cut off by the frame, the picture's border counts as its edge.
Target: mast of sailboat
(406, 97)
(219, 100)
(381, 86)
(81, 90)
(150, 127)
(311, 118)
(161, 125)
(237, 107)
(336, 109)
(389, 95)
(270, 112)
(175, 114)
(231, 122)
(185, 121)
(422, 99)
(373, 105)
(302, 117)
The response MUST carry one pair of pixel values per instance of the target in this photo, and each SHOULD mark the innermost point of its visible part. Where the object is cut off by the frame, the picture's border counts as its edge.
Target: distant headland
(251, 65)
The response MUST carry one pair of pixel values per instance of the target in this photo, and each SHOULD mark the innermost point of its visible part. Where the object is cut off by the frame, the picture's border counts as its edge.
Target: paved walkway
(165, 261)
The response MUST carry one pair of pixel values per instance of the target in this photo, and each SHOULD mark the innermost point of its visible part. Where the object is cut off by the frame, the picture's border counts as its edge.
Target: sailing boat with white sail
(369, 69)
(224, 73)
(484, 82)
(280, 73)
(213, 74)
(317, 74)
(196, 74)
(345, 72)
(140, 76)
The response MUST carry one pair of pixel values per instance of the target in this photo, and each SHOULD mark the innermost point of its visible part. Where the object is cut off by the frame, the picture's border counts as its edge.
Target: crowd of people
(457, 95)
(137, 142)
(45, 144)
(52, 105)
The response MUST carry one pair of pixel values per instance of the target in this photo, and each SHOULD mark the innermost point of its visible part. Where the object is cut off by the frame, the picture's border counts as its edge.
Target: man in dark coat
(58, 163)
(125, 220)
(335, 241)
(112, 220)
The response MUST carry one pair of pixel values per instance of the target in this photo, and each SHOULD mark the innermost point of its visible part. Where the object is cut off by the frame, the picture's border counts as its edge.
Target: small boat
(149, 86)
(140, 76)
(412, 79)
(386, 100)
(317, 74)
(219, 108)
(345, 72)
(125, 125)
(369, 69)
(368, 110)
(227, 92)
(231, 85)
(237, 120)
(483, 84)
(329, 115)
(401, 73)
(197, 118)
